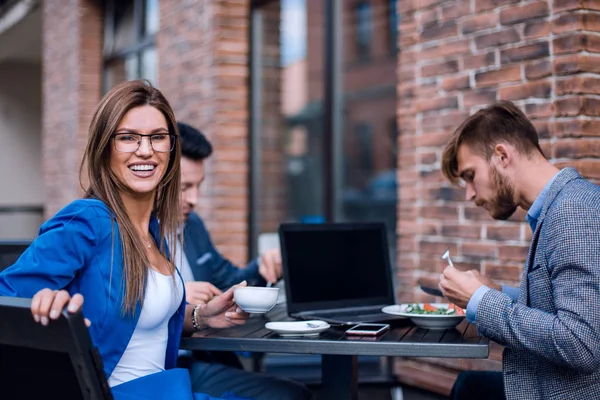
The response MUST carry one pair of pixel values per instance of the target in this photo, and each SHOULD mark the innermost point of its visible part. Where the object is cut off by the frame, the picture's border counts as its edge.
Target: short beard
(503, 206)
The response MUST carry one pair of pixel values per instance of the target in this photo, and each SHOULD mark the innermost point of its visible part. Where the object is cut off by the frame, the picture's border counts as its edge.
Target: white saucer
(298, 328)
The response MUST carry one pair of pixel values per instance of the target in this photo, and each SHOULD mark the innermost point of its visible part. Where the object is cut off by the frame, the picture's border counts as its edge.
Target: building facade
(317, 109)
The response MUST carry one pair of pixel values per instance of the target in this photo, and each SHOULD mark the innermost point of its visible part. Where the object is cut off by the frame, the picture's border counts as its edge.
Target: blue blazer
(208, 264)
(552, 333)
(79, 250)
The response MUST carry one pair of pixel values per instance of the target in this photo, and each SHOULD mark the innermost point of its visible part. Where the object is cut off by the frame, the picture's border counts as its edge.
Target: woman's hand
(48, 304)
(222, 312)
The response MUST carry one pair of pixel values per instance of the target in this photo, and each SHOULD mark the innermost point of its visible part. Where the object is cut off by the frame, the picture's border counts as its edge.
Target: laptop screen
(335, 265)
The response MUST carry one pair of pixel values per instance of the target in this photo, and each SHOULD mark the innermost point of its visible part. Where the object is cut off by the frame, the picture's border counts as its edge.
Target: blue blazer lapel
(562, 179)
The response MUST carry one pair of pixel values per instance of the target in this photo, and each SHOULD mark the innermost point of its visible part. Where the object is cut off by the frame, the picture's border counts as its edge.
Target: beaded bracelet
(195, 322)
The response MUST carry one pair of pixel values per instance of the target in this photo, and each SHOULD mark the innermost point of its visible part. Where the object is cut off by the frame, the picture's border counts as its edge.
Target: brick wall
(273, 183)
(71, 79)
(456, 56)
(203, 71)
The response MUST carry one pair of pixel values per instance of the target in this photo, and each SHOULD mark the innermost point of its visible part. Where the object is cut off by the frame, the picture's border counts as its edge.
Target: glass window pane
(291, 133)
(124, 26)
(151, 11)
(368, 189)
(150, 65)
(120, 71)
(364, 27)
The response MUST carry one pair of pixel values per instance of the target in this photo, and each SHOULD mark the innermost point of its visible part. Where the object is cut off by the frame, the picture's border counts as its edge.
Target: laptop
(54, 361)
(337, 272)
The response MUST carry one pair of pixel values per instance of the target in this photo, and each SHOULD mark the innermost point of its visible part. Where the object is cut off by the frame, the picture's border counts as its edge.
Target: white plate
(298, 328)
(427, 321)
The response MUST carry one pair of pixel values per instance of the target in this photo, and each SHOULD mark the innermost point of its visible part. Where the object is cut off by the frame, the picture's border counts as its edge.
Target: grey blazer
(552, 333)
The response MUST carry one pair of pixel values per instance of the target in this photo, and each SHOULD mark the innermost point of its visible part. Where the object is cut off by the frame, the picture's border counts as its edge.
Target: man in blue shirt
(207, 273)
(549, 326)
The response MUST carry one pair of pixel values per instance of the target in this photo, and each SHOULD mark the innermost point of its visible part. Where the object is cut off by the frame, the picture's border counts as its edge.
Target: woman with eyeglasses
(110, 248)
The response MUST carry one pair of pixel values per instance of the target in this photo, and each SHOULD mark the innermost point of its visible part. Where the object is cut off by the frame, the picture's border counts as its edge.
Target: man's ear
(503, 155)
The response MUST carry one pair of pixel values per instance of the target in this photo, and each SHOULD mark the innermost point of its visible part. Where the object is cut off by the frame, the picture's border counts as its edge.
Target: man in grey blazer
(550, 326)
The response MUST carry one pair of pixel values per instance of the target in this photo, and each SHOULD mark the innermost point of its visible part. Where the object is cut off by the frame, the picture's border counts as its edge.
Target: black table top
(404, 339)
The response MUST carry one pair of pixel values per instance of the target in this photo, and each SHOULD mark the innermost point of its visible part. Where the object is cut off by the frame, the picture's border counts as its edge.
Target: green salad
(432, 310)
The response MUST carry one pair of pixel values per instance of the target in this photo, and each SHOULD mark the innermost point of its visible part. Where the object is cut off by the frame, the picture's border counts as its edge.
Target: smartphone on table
(368, 329)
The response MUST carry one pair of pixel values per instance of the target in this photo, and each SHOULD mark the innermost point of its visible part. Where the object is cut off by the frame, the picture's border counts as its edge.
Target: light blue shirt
(532, 218)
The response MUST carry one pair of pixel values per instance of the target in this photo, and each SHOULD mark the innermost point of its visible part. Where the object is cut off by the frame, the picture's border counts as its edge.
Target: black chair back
(10, 251)
(54, 361)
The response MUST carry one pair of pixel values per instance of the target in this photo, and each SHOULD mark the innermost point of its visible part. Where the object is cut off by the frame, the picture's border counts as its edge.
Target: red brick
(588, 168)
(577, 106)
(453, 49)
(407, 244)
(546, 148)
(455, 10)
(418, 228)
(446, 193)
(576, 43)
(525, 53)
(437, 248)
(569, 5)
(572, 64)
(538, 69)
(575, 21)
(478, 61)
(443, 68)
(512, 253)
(474, 213)
(538, 89)
(479, 22)
(502, 75)
(577, 128)
(216, 100)
(71, 78)
(439, 212)
(439, 103)
(461, 231)
(576, 148)
(536, 29)
(479, 250)
(497, 39)
(438, 31)
(479, 97)
(455, 82)
(434, 139)
(515, 15)
(577, 85)
(503, 272)
(450, 121)
(426, 17)
(542, 127)
(502, 233)
(427, 158)
(539, 110)
(485, 5)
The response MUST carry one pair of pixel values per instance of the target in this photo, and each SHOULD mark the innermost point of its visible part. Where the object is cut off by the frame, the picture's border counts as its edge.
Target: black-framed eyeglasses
(130, 142)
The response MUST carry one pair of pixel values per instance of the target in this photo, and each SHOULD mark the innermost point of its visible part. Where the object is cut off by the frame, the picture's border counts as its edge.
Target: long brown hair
(105, 186)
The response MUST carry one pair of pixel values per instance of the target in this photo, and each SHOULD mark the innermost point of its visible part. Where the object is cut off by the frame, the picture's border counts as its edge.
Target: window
(364, 28)
(393, 25)
(130, 27)
(323, 138)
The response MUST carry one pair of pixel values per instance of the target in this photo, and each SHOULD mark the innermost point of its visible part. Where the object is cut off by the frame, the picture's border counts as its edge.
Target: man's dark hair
(194, 144)
(501, 122)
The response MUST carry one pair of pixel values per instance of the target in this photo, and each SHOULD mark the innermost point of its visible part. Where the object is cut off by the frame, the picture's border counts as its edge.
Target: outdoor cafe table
(339, 363)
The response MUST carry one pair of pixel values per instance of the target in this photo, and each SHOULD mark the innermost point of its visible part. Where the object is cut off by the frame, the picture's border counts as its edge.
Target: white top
(181, 262)
(147, 348)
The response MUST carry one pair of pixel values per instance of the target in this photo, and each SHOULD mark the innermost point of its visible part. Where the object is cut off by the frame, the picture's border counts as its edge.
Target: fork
(446, 256)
